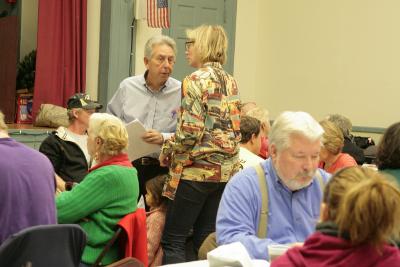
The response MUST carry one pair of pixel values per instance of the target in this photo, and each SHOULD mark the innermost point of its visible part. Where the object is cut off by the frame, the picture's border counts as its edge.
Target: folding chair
(132, 237)
(44, 245)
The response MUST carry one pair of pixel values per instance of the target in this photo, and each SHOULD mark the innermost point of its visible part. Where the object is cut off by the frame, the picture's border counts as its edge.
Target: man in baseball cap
(66, 147)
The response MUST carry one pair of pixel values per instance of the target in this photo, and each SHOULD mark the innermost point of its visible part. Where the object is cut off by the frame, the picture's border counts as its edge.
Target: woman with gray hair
(107, 193)
(349, 146)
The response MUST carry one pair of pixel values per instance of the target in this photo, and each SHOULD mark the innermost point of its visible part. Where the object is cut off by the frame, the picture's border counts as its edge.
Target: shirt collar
(148, 87)
(120, 160)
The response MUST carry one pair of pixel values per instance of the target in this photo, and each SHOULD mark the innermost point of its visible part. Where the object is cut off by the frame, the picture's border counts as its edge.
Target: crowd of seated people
(195, 185)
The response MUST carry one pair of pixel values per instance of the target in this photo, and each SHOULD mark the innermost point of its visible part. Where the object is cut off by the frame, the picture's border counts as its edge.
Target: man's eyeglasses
(188, 44)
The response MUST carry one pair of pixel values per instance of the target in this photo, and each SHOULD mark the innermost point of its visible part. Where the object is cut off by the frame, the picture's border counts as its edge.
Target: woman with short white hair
(108, 192)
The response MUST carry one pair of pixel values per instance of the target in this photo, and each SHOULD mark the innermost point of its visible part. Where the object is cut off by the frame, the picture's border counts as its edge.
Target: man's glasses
(188, 44)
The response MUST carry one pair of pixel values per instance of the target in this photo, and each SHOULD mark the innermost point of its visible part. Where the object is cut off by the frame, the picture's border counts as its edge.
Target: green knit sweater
(97, 204)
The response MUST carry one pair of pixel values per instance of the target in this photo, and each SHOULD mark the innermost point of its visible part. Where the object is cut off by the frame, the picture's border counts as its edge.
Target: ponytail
(369, 211)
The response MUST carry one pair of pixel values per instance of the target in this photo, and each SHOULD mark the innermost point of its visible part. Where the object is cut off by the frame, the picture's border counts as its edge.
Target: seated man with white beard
(294, 185)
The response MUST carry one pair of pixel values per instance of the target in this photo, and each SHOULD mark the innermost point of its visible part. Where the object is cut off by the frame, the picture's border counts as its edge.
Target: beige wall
(246, 48)
(322, 57)
(93, 46)
(29, 18)
(318, 56)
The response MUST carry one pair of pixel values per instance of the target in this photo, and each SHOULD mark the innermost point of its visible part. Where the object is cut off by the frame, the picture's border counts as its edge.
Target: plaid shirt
(206, 144)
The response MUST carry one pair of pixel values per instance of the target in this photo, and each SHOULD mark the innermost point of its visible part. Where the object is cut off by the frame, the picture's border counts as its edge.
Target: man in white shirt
(154, 99)
(250, 145)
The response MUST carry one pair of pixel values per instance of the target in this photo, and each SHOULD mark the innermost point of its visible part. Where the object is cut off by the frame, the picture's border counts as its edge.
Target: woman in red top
(331, 156)
(360, 216)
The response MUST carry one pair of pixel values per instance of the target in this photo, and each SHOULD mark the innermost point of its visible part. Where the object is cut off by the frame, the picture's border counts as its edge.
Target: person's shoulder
(347, 159)
(244, 178)
(174, 81)
(35, 155)
(323, 174)
(201, 73)
(113, 171)
(132, 80)
(51, 138)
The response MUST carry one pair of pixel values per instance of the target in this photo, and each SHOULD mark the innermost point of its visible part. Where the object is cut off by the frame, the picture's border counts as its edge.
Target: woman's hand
(60, 184)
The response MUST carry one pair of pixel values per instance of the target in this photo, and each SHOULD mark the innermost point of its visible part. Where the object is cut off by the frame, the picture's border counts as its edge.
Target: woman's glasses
(188, 44)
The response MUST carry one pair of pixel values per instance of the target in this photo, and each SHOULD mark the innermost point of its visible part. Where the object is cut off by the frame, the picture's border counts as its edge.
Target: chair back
(131, 234)
(44, 245)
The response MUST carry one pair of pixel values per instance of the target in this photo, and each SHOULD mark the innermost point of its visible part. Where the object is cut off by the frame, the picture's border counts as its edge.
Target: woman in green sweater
(108, 192)
(388, 155)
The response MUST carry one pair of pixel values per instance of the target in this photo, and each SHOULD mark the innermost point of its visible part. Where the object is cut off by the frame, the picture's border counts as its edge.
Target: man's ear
(253, 138)
(75, 112)
(146, 61)
(273, 151)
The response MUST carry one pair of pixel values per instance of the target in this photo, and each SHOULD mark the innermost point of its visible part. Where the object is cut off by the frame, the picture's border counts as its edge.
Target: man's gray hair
(289, 123)
(158, 40)
(342, 122)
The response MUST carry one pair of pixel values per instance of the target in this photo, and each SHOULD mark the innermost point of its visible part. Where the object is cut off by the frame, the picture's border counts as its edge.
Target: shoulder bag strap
(320, 180)
(263, 223)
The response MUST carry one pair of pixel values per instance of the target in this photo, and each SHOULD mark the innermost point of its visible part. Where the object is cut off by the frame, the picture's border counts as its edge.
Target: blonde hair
(210, 42)
(111, 130)
(365, 205)
(332, 139)
(3, 125)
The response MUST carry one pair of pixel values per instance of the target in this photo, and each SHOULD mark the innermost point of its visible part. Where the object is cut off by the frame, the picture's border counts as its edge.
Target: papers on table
(138, 148)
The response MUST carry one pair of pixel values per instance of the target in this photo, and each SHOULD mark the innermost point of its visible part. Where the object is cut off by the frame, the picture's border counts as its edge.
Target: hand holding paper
(153, 137)
(137, 146)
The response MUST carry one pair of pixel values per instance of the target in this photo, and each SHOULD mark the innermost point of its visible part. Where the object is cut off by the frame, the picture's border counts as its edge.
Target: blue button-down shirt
(292, 215)
(154, 109)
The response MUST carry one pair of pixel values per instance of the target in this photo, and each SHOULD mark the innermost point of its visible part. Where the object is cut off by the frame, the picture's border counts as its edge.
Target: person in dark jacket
(360, 216)
(66, 147)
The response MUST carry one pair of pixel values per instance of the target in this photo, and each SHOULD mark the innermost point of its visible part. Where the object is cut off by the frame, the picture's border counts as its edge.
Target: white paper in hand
(138, 148)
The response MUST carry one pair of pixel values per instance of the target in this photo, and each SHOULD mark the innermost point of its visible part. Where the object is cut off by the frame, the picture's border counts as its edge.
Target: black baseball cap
(81, 100)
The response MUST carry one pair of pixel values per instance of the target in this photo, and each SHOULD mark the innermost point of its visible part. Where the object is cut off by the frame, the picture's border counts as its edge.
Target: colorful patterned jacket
(206, 144)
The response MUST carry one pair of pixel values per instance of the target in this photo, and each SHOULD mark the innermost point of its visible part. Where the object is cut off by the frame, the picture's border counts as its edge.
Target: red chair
(132, 236)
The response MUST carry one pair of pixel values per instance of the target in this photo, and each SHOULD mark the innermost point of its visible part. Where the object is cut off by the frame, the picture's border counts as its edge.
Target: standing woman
(108, 192)
(204, 153)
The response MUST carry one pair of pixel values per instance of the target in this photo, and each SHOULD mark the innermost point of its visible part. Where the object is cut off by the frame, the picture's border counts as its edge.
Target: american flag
(157, 13)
